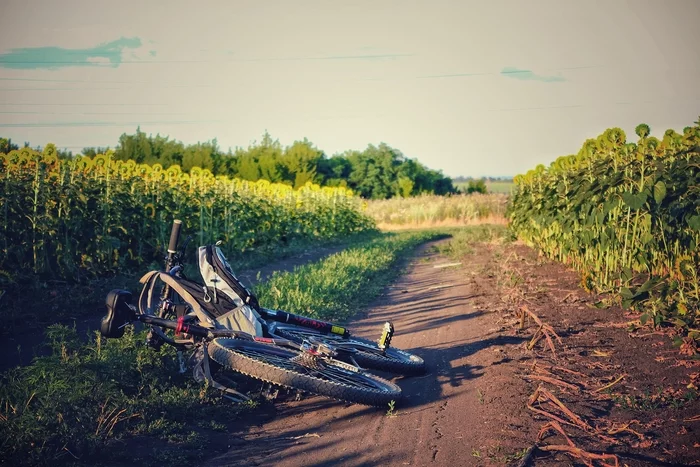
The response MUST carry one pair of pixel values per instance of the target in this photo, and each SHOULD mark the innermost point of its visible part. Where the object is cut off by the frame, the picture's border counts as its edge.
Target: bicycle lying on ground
(221, 320)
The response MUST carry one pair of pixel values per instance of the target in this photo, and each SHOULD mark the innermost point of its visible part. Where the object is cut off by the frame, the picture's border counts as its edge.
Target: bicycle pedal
(153, 341)
(387, 333)
(271, 393)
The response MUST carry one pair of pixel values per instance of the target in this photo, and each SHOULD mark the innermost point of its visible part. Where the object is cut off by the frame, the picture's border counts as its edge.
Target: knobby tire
(273, 364)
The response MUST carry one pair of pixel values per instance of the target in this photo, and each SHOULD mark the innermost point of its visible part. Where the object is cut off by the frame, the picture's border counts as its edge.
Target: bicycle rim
(366, 352)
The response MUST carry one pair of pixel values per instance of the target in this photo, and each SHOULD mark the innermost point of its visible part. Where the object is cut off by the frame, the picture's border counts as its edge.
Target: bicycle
(310, 365)
(378, 355)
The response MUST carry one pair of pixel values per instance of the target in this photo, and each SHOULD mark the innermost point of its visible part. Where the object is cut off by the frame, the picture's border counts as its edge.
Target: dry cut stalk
(543, 395)
(545, 331)
(545, 371)
(546, 396)
(614, 430)
(585, 456)
(555, 381)
(611, 384)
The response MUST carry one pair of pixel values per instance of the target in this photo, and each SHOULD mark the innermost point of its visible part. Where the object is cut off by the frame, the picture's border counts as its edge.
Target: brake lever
(184, 248)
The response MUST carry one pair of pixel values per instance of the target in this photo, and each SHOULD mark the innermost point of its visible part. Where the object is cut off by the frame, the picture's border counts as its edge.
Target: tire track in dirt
(466, 410)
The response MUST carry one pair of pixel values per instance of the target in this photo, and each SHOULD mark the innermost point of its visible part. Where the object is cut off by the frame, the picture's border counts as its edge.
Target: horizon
(471, 89)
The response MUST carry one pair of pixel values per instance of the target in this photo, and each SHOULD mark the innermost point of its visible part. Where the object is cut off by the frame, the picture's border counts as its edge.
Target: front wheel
(296, 370)
(366, 352)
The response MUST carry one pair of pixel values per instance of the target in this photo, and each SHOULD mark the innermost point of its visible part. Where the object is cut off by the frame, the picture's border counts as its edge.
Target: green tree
(301, 161)
(6, 145)
(477, 186)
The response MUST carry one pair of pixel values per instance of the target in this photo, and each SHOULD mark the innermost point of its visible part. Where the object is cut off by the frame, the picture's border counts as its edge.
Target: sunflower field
(626, 216)
(75, 219)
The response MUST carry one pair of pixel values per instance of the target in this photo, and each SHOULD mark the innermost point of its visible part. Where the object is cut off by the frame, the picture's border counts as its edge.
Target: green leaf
(679, 323)
(694, 222)
(635, 202)
(644, 318)
(626, 293)
(626, 275)
(647, 286)
(659, 191)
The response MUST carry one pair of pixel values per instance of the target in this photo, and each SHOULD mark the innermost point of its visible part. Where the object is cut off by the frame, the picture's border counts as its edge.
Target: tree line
(377, 172)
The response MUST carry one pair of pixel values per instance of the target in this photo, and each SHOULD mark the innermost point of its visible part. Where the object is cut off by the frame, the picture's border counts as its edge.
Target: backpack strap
(146, 300)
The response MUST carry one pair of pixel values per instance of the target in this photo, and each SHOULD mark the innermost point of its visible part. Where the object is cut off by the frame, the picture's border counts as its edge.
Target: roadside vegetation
(625, 215)
(335, 288)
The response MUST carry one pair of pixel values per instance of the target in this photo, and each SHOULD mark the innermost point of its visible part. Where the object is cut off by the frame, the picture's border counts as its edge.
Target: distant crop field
(501, 187)
(433, 211)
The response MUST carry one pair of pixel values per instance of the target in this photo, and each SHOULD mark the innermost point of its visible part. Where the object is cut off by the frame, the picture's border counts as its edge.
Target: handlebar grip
(174, 236)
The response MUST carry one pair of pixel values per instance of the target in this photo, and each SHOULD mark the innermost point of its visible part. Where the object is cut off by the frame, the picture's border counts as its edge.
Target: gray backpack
(221, 302)
(220, 279)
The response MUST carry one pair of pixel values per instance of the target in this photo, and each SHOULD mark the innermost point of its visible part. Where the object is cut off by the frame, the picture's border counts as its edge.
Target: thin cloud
(453, 75)
(513, 109)
(369, 57)
(34, 58)
(528, 75)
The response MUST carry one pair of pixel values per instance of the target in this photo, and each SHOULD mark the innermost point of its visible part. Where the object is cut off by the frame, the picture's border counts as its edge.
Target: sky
(470, 88)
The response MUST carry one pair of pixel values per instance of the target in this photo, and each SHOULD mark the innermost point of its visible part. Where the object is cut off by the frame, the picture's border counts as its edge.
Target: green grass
(118, 400)
(650, 400)
(499, 187)
(83, 402)
(338, 286)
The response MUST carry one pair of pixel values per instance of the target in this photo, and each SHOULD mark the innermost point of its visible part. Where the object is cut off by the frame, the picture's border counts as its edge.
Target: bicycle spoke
(327, 372)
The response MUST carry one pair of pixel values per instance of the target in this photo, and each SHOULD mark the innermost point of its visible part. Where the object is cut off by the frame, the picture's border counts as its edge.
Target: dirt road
(461, 411)
(607, 395)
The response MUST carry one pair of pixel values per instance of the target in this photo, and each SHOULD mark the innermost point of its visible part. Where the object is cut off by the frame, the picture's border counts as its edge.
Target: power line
(89, 113)
(103, 124)
(120, 104)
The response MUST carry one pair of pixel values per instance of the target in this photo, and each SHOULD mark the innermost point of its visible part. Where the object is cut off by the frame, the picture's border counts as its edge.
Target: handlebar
(172, 252)
(174, 236)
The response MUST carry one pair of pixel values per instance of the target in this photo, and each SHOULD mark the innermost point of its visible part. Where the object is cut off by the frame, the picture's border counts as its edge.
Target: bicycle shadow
(445, 378)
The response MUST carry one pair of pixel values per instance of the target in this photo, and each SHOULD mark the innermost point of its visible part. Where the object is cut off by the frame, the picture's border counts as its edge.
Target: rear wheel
(366, 352)
(296, 370)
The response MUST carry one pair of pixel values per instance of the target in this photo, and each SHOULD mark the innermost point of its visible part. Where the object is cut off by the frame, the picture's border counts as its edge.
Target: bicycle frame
(173, 266)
